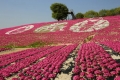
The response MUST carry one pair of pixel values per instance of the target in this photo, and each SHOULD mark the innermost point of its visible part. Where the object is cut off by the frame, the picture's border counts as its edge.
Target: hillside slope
(71, 31)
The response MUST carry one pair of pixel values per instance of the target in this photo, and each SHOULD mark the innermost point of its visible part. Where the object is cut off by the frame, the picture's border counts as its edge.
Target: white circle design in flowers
(20, 29)
(51, 27)
(90, 25)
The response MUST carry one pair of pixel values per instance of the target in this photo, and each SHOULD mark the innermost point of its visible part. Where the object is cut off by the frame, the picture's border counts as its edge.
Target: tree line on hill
(60, 12)
(101, 13)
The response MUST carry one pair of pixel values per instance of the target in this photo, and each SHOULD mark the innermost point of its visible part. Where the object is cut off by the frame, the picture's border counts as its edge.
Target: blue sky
(20, 12)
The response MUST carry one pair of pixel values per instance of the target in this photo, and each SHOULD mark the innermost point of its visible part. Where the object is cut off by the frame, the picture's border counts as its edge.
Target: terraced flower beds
(11, 64)
(48, 67)
(93, 63)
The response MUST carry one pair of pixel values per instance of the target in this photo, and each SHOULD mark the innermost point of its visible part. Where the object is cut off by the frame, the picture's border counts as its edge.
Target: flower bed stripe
(95, 64)
(48, 67)
(14, 57)
(17, 66)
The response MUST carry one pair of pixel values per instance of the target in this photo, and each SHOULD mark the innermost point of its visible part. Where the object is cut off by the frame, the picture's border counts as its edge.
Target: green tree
(79, 15)
(110, 12)
(59, 11)
(90, 14)
(117, 11)
(103, 13)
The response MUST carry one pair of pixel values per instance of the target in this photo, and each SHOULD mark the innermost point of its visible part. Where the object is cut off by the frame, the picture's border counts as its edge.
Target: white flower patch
(20, 30)
(90, 25)
(51, 27)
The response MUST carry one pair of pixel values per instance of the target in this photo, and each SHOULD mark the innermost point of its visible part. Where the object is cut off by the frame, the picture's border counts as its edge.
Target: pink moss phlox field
(93, 62)
(64, 35)
(48, 67)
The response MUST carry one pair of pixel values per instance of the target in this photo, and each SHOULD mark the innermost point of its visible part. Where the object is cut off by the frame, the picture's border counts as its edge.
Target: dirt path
(68, 66)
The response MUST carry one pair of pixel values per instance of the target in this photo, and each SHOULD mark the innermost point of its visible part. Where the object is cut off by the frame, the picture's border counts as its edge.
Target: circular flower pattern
(90, 25)
(20, 29)
(51, 27)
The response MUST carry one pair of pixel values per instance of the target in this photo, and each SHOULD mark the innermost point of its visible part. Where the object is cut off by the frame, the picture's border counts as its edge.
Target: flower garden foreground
(89, 43)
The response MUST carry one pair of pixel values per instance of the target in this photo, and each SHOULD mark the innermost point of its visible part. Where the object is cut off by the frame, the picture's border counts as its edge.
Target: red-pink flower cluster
(93, 62)
(11, 64)
(110, 33)
(113, 45)
(20, 60)
(48, 67)
(14, 57)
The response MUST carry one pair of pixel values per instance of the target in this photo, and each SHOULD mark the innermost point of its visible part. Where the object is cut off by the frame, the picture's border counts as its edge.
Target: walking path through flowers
(68, 66)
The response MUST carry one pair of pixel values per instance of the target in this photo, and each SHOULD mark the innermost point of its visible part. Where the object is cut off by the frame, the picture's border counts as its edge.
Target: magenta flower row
(94, 63)
(48, 67)
(113, 45)
(30, 57)
(14, 57)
